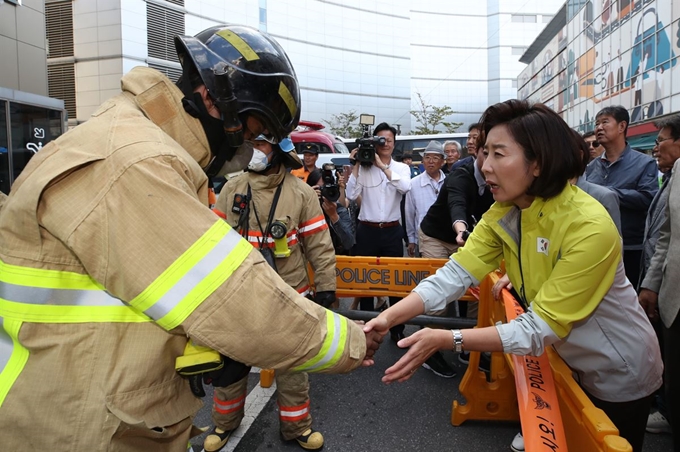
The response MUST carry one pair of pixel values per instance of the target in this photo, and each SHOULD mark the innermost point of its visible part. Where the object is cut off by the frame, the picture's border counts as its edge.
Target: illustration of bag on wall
(650, 51)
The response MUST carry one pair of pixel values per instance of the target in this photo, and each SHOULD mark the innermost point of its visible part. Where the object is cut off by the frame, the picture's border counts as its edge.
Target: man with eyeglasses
(659, 287)
(594, 146)
(631, 175)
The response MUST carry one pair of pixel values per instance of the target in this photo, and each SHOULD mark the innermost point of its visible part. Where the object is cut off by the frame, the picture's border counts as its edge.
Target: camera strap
(270, 219)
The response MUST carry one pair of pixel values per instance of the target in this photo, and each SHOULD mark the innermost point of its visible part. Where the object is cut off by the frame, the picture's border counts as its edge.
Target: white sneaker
(518, 443)
(657, 423)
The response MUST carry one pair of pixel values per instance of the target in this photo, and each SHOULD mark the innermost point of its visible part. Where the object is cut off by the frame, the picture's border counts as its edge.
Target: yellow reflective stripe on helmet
(201, 269)
(287, 97)
(239, 44)
(333, 345)
(13, 355)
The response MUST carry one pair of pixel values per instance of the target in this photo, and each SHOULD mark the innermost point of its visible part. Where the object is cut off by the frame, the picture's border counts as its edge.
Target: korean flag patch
(542, 245)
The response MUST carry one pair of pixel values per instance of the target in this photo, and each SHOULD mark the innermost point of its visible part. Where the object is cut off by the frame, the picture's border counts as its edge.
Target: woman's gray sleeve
(528, 334)
(449, 283)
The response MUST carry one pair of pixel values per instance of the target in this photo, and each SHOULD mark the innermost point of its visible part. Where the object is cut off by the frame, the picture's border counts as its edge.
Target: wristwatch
(457, 340)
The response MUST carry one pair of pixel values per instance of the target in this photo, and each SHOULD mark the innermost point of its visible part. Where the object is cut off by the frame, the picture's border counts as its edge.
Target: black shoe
(464, 358)
(484, 361)
(438, 365)
(396, 337)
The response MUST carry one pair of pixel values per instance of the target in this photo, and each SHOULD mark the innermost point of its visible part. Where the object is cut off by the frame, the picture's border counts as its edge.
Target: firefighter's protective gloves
(325, 298)
(203, 364)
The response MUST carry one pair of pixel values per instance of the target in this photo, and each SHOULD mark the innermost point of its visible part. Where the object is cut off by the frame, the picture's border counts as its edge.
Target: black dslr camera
(330, 189)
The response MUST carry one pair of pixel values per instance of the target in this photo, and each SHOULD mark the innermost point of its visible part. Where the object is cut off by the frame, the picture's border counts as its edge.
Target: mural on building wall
(610, 53)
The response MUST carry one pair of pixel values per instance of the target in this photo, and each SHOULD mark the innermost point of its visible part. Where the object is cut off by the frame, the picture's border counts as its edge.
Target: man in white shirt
(381, 185)
(424, 191)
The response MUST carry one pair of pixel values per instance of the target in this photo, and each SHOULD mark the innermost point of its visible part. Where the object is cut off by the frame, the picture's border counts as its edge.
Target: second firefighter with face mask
(283, 219)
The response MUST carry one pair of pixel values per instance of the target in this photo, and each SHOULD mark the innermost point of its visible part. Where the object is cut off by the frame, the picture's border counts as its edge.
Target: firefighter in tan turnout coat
(110, 259)
(302, 236)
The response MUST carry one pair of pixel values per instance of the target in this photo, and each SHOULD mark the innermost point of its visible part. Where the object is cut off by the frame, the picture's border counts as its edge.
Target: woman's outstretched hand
(421, 345)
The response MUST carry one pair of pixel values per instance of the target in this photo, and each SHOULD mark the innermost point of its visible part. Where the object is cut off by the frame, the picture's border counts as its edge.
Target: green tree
(430, 116)
(345, 125)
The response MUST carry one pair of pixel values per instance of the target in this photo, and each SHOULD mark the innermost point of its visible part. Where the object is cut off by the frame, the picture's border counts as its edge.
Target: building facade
(28, 118)
(370, 56)
(600, 53)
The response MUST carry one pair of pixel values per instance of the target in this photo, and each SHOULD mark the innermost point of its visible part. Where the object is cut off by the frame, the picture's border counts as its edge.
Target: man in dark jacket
(457, 209)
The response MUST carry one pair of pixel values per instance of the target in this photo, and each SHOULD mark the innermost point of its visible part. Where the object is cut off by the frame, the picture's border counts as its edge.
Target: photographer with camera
(336, 214)
(381, 182)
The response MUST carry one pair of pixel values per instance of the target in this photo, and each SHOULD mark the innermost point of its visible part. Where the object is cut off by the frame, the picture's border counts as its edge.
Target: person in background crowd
(574, 287)
(667, 149)
(407, 159)
(117, 211)
(594, 148)
(336, 215)
(471, 145)
(424, 191)
(381, 185)
(452, 152)
(631, 175)
(277, 199)
(310, 154)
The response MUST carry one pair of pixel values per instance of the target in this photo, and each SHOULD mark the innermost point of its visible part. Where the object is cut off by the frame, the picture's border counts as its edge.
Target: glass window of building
(4, 152)
(31, 128)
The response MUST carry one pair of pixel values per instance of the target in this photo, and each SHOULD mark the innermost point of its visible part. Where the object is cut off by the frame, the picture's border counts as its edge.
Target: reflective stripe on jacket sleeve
(333, 345)
(52, 296)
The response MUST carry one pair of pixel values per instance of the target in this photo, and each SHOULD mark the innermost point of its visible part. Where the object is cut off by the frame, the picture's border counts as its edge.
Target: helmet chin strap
(225, 135)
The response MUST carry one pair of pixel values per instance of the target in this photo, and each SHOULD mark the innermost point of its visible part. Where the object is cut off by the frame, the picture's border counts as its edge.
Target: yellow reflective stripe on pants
(13, 355)
(201, 269)
(333, 345)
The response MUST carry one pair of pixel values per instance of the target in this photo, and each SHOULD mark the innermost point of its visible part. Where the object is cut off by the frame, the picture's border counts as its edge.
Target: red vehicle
(331, 148)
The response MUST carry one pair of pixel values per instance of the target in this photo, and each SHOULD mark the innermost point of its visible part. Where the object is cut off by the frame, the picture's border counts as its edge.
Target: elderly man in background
(452, 155)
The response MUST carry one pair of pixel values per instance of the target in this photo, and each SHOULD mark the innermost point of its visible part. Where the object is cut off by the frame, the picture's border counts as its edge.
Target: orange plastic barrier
(381, 276)
(586, 427)
(537, 397)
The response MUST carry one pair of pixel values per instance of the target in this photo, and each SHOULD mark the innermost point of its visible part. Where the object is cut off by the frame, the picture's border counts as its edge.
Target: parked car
(331, 148)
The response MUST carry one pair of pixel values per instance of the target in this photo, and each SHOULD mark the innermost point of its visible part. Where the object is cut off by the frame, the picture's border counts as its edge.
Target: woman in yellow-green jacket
(562, 254)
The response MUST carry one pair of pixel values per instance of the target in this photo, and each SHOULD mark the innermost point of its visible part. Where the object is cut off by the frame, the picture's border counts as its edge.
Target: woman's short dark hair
(314, 177)
(545, 138)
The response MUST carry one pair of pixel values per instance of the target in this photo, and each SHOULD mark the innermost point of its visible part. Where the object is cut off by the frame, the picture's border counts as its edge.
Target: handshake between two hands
(421, 345)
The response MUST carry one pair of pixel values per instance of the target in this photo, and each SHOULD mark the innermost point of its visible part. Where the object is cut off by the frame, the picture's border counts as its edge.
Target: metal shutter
(163, 24)
(61, 83)
(61, 80)
(59, 28)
